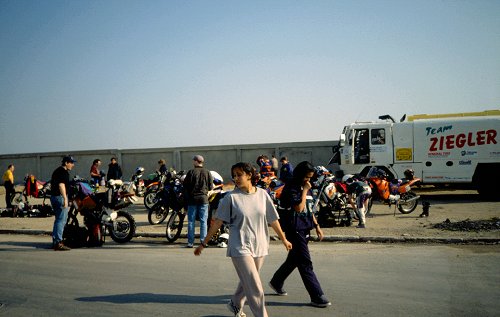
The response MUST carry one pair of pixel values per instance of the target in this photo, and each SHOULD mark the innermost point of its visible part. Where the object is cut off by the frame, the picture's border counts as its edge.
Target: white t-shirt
(248, 222)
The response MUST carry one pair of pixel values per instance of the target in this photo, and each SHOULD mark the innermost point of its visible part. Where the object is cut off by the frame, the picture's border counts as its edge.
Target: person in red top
(95, 174)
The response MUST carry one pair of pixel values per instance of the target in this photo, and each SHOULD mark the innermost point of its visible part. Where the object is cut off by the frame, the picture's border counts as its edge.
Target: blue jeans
(61, 215)
(202, 211)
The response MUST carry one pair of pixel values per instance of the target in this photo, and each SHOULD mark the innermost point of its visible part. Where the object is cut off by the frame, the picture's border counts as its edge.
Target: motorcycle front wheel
(123, 228)
(19, 199)
(150, 199)
(408, 207)
(174, 226)
(157, 214)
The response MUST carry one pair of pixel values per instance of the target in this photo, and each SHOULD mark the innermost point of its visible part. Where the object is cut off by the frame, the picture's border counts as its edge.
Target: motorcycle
(330, 200)
(221, 237)
(152, 189)
(101, 211)
(32, 188)
(172, 197)
(138, 182)
(394, 191)
(168, 197)
(273, 186)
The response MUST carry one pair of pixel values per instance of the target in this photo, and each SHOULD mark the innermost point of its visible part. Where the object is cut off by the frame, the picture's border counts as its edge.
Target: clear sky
(122, 74)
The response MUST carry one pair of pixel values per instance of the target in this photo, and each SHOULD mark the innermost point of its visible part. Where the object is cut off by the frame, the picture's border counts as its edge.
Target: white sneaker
(237, 311)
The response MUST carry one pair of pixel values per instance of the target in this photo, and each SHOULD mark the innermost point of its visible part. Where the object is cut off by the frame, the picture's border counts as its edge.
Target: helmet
(217, 178)
(409, 174)
(223, 239)
(320, 170)
(347, 177)
(139, 170)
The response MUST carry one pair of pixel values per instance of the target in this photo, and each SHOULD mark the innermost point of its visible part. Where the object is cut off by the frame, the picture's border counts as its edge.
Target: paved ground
(385, 224)
(148, 277)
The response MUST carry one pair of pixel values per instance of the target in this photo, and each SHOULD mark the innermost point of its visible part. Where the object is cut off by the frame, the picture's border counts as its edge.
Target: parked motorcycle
(172, 198)
(273, 186)
(32, 188)
(154, 186)
(394, 191)
(138, 182)
(220, 238)
(101, 211)
(330, 200)
(166, 198)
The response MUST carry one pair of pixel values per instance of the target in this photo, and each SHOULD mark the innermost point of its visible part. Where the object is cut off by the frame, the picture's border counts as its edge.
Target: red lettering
(490, 137)
(433, 147)
(449, 142)
(460, 140)
(480, 137)
(470, 142)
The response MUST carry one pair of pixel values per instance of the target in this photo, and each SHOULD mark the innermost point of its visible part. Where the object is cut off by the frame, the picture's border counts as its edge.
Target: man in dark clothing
(163, 167)
(197, 183)
(286, 170)
(114, 170)
(59, 185)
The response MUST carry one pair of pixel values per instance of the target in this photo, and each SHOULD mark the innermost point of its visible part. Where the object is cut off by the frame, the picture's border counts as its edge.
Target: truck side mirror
(342, 140)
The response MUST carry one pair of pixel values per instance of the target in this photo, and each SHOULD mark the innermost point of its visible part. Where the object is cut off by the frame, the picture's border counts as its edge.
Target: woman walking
(248, 210)
(297, 220)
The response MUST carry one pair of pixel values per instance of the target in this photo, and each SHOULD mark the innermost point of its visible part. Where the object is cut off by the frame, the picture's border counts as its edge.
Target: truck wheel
(482, 178)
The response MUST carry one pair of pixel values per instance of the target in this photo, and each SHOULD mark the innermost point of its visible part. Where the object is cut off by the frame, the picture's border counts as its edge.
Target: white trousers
(250, 286)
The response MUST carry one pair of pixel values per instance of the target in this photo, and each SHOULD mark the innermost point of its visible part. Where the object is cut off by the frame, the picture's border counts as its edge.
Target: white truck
(441, 149)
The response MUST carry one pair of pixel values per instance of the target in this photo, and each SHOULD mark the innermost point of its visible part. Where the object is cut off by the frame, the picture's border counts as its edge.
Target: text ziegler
(460, 140)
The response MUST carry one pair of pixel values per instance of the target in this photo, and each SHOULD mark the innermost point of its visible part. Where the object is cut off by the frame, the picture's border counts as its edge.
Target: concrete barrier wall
(218, 158)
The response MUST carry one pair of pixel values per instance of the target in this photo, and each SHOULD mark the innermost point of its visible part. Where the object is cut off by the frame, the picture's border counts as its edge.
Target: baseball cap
(198, 158)
(68, 159)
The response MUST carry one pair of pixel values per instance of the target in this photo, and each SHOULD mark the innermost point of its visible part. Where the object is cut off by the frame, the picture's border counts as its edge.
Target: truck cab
(365, 144)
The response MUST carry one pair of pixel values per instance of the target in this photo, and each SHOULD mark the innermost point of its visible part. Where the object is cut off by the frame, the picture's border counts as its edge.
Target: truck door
(360, 146)
(381, 153)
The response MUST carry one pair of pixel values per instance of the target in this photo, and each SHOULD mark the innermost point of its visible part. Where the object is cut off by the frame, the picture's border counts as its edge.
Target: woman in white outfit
(248, 210)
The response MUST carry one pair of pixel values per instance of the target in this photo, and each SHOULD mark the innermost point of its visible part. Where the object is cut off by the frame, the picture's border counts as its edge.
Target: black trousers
(300, 258)
(9, 192)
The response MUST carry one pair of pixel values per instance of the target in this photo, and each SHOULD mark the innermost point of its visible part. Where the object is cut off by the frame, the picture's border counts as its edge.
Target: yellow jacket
(8, 176)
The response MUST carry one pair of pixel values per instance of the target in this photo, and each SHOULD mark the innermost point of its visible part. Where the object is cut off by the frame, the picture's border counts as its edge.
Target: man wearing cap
(197, 183)
(59, 185)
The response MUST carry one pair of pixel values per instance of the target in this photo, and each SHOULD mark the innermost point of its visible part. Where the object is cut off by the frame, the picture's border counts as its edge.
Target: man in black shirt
(197, 183)
(59, 185)
(114, 170)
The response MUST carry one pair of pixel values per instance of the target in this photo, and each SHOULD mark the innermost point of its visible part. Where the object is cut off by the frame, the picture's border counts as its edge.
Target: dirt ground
(384, 221)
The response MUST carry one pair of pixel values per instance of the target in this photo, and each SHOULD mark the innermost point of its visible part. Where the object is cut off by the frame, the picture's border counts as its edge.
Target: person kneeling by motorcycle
(362, 191)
